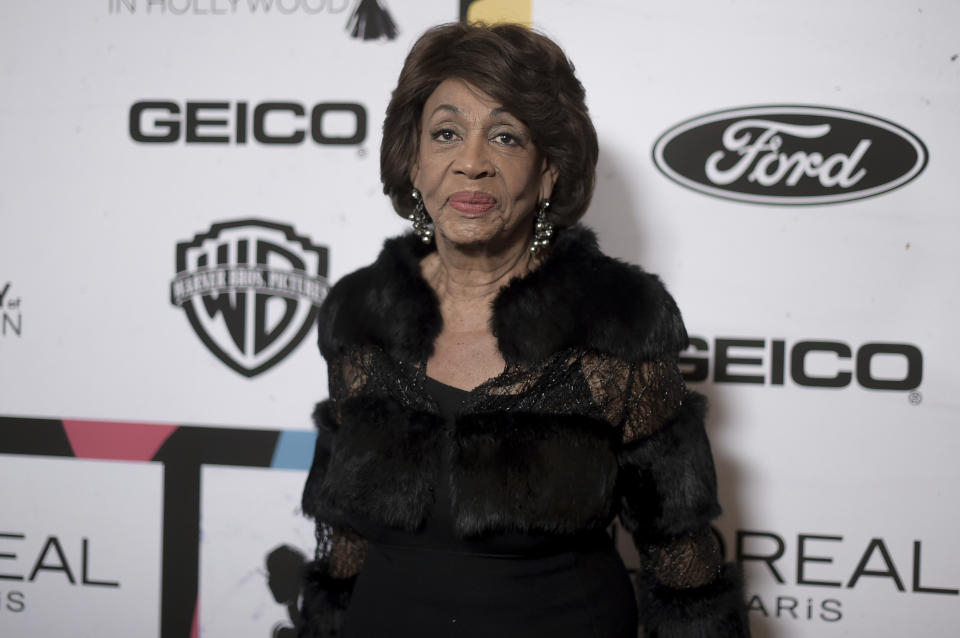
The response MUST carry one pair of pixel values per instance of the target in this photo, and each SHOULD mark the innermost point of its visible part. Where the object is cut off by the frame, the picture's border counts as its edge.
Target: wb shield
(251, 289)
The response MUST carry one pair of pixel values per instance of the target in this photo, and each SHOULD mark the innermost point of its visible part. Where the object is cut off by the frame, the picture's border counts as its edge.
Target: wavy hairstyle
(523, 70)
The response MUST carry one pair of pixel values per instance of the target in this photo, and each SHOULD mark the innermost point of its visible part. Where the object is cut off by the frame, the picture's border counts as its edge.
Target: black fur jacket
(591, 386)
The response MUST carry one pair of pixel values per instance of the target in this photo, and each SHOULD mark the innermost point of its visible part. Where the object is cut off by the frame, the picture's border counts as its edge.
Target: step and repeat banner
(182, 181)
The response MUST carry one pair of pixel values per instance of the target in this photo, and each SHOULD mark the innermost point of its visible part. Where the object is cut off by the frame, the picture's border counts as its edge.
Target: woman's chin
(467, 233)
(474, 233)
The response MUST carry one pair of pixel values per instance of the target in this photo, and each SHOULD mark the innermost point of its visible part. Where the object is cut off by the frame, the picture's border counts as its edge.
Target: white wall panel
(90, 221)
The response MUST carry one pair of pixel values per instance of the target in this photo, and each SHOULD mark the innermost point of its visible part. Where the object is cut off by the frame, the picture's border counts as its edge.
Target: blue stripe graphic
(294, 450)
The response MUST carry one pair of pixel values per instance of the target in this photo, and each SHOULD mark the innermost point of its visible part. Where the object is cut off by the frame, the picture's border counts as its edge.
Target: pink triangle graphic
(194, 633)
(115, 440)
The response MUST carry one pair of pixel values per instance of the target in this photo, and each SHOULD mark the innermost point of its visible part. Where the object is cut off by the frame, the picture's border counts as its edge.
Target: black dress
(590, 421)
(433, 584)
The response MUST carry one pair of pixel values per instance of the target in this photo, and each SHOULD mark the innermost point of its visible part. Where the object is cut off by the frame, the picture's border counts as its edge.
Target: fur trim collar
(577, 298)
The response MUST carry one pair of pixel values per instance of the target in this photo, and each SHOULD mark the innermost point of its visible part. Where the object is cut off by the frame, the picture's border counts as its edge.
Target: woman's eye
(506, 139)
(444, 135)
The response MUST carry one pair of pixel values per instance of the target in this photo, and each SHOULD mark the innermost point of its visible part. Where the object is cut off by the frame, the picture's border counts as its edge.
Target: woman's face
(477, 168)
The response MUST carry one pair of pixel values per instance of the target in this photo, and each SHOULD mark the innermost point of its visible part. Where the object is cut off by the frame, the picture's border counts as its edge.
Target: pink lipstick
(472, 203)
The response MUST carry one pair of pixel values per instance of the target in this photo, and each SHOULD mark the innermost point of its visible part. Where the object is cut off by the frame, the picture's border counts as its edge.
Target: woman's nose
(473, 160)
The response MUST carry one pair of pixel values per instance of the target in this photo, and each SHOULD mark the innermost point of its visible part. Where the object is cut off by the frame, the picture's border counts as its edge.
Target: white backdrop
(840, 499)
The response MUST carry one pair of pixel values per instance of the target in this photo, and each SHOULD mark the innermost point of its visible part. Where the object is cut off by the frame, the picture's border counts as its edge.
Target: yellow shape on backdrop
(495, 11)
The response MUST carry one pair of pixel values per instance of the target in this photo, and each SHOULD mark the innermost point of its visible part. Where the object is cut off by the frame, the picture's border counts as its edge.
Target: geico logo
(733, 363)
(165, 122)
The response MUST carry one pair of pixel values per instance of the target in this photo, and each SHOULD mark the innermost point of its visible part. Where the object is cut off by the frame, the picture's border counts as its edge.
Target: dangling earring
(421, 222)
(542, 228)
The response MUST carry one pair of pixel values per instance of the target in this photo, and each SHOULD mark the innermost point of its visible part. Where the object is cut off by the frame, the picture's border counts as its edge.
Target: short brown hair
(524, 71)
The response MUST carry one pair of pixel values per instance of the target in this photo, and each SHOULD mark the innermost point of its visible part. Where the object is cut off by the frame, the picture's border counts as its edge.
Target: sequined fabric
(340, 550)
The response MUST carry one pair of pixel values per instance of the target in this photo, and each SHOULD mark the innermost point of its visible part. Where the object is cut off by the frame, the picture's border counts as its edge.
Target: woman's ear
(548, 178)
(414, 171)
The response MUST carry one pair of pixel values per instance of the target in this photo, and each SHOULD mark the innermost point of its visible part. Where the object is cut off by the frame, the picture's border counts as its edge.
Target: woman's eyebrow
(499, 110)
(445, 107)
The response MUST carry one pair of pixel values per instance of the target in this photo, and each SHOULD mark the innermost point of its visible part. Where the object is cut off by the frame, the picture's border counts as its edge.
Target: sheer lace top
(637, 399)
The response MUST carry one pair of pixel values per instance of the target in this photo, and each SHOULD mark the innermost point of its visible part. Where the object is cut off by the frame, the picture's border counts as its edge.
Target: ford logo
(790, 155)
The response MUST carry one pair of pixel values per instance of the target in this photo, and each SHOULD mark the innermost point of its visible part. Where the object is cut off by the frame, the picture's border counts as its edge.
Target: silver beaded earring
(421, 222)
(542, 227)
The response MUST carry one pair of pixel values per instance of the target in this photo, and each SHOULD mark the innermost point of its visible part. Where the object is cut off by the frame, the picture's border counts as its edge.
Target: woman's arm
(668, 496)
(330, 576)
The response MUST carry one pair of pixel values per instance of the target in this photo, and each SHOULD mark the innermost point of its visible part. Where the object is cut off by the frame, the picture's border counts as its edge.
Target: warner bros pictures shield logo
(251, 290)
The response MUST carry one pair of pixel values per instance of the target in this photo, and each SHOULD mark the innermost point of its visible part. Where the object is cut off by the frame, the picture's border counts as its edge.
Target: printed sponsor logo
(227, 7)
(497, 11)
(251, 290)
(283, 123)
(809, 562)
(29, 558)
(369, 20)
(790, 155)
(11, 317)
(33, 561)
(811, 364)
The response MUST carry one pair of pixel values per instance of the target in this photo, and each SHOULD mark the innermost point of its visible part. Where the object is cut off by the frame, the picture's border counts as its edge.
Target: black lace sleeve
(340, 553)
(668, 496)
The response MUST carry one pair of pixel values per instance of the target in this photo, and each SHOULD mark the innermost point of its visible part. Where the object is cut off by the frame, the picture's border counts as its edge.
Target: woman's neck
(475, 272)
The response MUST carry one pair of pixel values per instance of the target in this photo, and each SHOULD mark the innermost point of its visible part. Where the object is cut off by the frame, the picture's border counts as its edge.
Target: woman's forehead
(459, 97)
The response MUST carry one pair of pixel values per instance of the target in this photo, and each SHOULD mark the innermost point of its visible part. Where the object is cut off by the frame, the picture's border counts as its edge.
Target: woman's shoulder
(386, 303)
(580, 297)
(577, 298)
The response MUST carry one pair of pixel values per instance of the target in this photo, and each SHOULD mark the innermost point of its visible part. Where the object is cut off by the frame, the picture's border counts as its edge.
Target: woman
(500, 390)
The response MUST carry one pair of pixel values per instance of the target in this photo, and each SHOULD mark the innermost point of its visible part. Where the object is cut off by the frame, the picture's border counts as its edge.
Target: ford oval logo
(790, 155)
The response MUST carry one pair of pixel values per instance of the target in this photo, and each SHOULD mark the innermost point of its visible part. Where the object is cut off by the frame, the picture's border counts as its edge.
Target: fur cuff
(716, 610)
(326, 425)
(325, 601)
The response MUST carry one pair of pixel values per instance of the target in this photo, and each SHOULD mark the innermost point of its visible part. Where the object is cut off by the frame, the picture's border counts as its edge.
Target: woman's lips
(472, 203)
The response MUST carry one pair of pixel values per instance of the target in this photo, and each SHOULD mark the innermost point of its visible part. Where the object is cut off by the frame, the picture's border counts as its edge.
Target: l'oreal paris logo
(790, 155)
